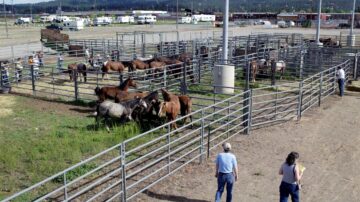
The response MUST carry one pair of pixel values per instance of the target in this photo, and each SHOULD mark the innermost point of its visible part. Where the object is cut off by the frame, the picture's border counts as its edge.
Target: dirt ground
(327, 139)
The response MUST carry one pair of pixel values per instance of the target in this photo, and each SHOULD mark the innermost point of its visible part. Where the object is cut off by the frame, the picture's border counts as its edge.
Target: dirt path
(327, 139)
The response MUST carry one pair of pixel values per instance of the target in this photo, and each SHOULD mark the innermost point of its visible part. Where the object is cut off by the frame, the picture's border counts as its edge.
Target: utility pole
(6, 25)
(351, 37)
(318, 25)
(225, 32)
(177, 14)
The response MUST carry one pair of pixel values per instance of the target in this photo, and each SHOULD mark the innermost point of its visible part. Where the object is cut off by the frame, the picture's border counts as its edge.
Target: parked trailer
(103, 21)
(125, 19)
(185, 20)
(146, 19)
(203, 18)
(73, 25)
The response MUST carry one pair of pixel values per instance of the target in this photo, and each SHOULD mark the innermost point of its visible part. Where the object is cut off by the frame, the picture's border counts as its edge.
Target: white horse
(109, 109)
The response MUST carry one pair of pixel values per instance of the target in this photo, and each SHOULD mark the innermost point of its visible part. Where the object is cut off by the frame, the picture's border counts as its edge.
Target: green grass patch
(36, 144)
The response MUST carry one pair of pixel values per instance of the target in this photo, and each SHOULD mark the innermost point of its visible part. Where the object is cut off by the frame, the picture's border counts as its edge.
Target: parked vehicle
(204, 18)
(21, 21)
(185, 20)
(282, 24)
(73, 25)
(125, 19)
(102, 21)
(54, 27)
(146, 19)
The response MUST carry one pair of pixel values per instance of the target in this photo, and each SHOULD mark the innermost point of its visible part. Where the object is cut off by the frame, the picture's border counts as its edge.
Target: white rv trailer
(185, 20)
(102, 21)
(125, 19)
(22, 20)
(146, 19)
(203, 18)
(49, 18)
(74, 24)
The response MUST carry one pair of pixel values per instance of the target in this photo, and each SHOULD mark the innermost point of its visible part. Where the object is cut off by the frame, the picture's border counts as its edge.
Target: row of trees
(198, 5)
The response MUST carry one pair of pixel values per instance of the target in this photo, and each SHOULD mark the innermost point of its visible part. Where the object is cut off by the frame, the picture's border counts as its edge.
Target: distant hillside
(199, 5)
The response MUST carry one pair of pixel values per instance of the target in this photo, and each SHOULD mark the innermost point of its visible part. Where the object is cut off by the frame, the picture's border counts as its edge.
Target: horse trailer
(185, 20)
(75, 25)
(21, 21)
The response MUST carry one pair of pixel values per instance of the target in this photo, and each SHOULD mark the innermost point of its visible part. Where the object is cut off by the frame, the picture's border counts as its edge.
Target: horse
(138, 64)
(122, 96)
(114, 66)
(185, 106)
(253, 69)
(108, 109)
(157, 68)
(109, 92)
(153, 103)
(280, 66)
(75, 69)
(184, 101)
(170, 109)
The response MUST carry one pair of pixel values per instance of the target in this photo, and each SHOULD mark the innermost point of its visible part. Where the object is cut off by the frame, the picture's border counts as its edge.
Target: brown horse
(253, 69)
(77, 70)
(170, 110)
(123, 96)
(184, 100)
(138, 64)
(113, 66)
(185, 106)
(110, 92)
(157, 68)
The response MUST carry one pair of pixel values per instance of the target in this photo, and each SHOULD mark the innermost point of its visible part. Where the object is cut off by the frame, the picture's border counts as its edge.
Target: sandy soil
(327, 139)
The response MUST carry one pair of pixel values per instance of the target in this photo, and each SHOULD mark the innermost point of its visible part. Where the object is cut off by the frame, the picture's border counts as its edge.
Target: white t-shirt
(340, 74)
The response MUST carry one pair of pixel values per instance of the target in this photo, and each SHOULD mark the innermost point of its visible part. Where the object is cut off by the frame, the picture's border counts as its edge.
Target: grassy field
(37, 142)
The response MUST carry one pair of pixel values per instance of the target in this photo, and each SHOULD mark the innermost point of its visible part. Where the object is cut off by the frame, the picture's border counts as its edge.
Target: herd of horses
(117, 102)
(154, 66)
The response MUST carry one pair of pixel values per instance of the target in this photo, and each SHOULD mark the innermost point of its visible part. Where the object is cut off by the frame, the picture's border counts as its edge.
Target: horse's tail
(97, 90)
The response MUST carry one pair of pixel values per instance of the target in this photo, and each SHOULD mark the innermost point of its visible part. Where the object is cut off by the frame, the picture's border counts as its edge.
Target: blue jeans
(287, 189)
(228, 180)
(341, 83)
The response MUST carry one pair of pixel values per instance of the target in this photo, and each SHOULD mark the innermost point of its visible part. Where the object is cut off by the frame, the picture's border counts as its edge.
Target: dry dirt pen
(127, 169)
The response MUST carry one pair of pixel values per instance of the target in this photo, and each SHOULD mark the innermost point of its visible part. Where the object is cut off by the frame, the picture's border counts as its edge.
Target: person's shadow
(171, 197)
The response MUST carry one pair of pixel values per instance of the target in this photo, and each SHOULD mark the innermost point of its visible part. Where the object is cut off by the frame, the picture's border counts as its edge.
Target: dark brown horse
(77, 70)
(110, 92)
(113, 66)
(184, 100)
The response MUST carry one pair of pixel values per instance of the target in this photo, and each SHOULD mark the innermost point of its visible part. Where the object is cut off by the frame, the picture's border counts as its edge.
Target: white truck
(21, 21)
(146, 19)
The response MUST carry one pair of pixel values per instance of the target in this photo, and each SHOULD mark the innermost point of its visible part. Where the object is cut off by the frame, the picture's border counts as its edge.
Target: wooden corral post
(273, 72)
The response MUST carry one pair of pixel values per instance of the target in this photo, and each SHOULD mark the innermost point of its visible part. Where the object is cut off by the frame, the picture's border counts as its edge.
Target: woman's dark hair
(290, 159)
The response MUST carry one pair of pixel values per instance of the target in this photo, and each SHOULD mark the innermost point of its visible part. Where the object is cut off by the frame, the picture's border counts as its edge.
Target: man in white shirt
(340, 74)
(226, 172)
